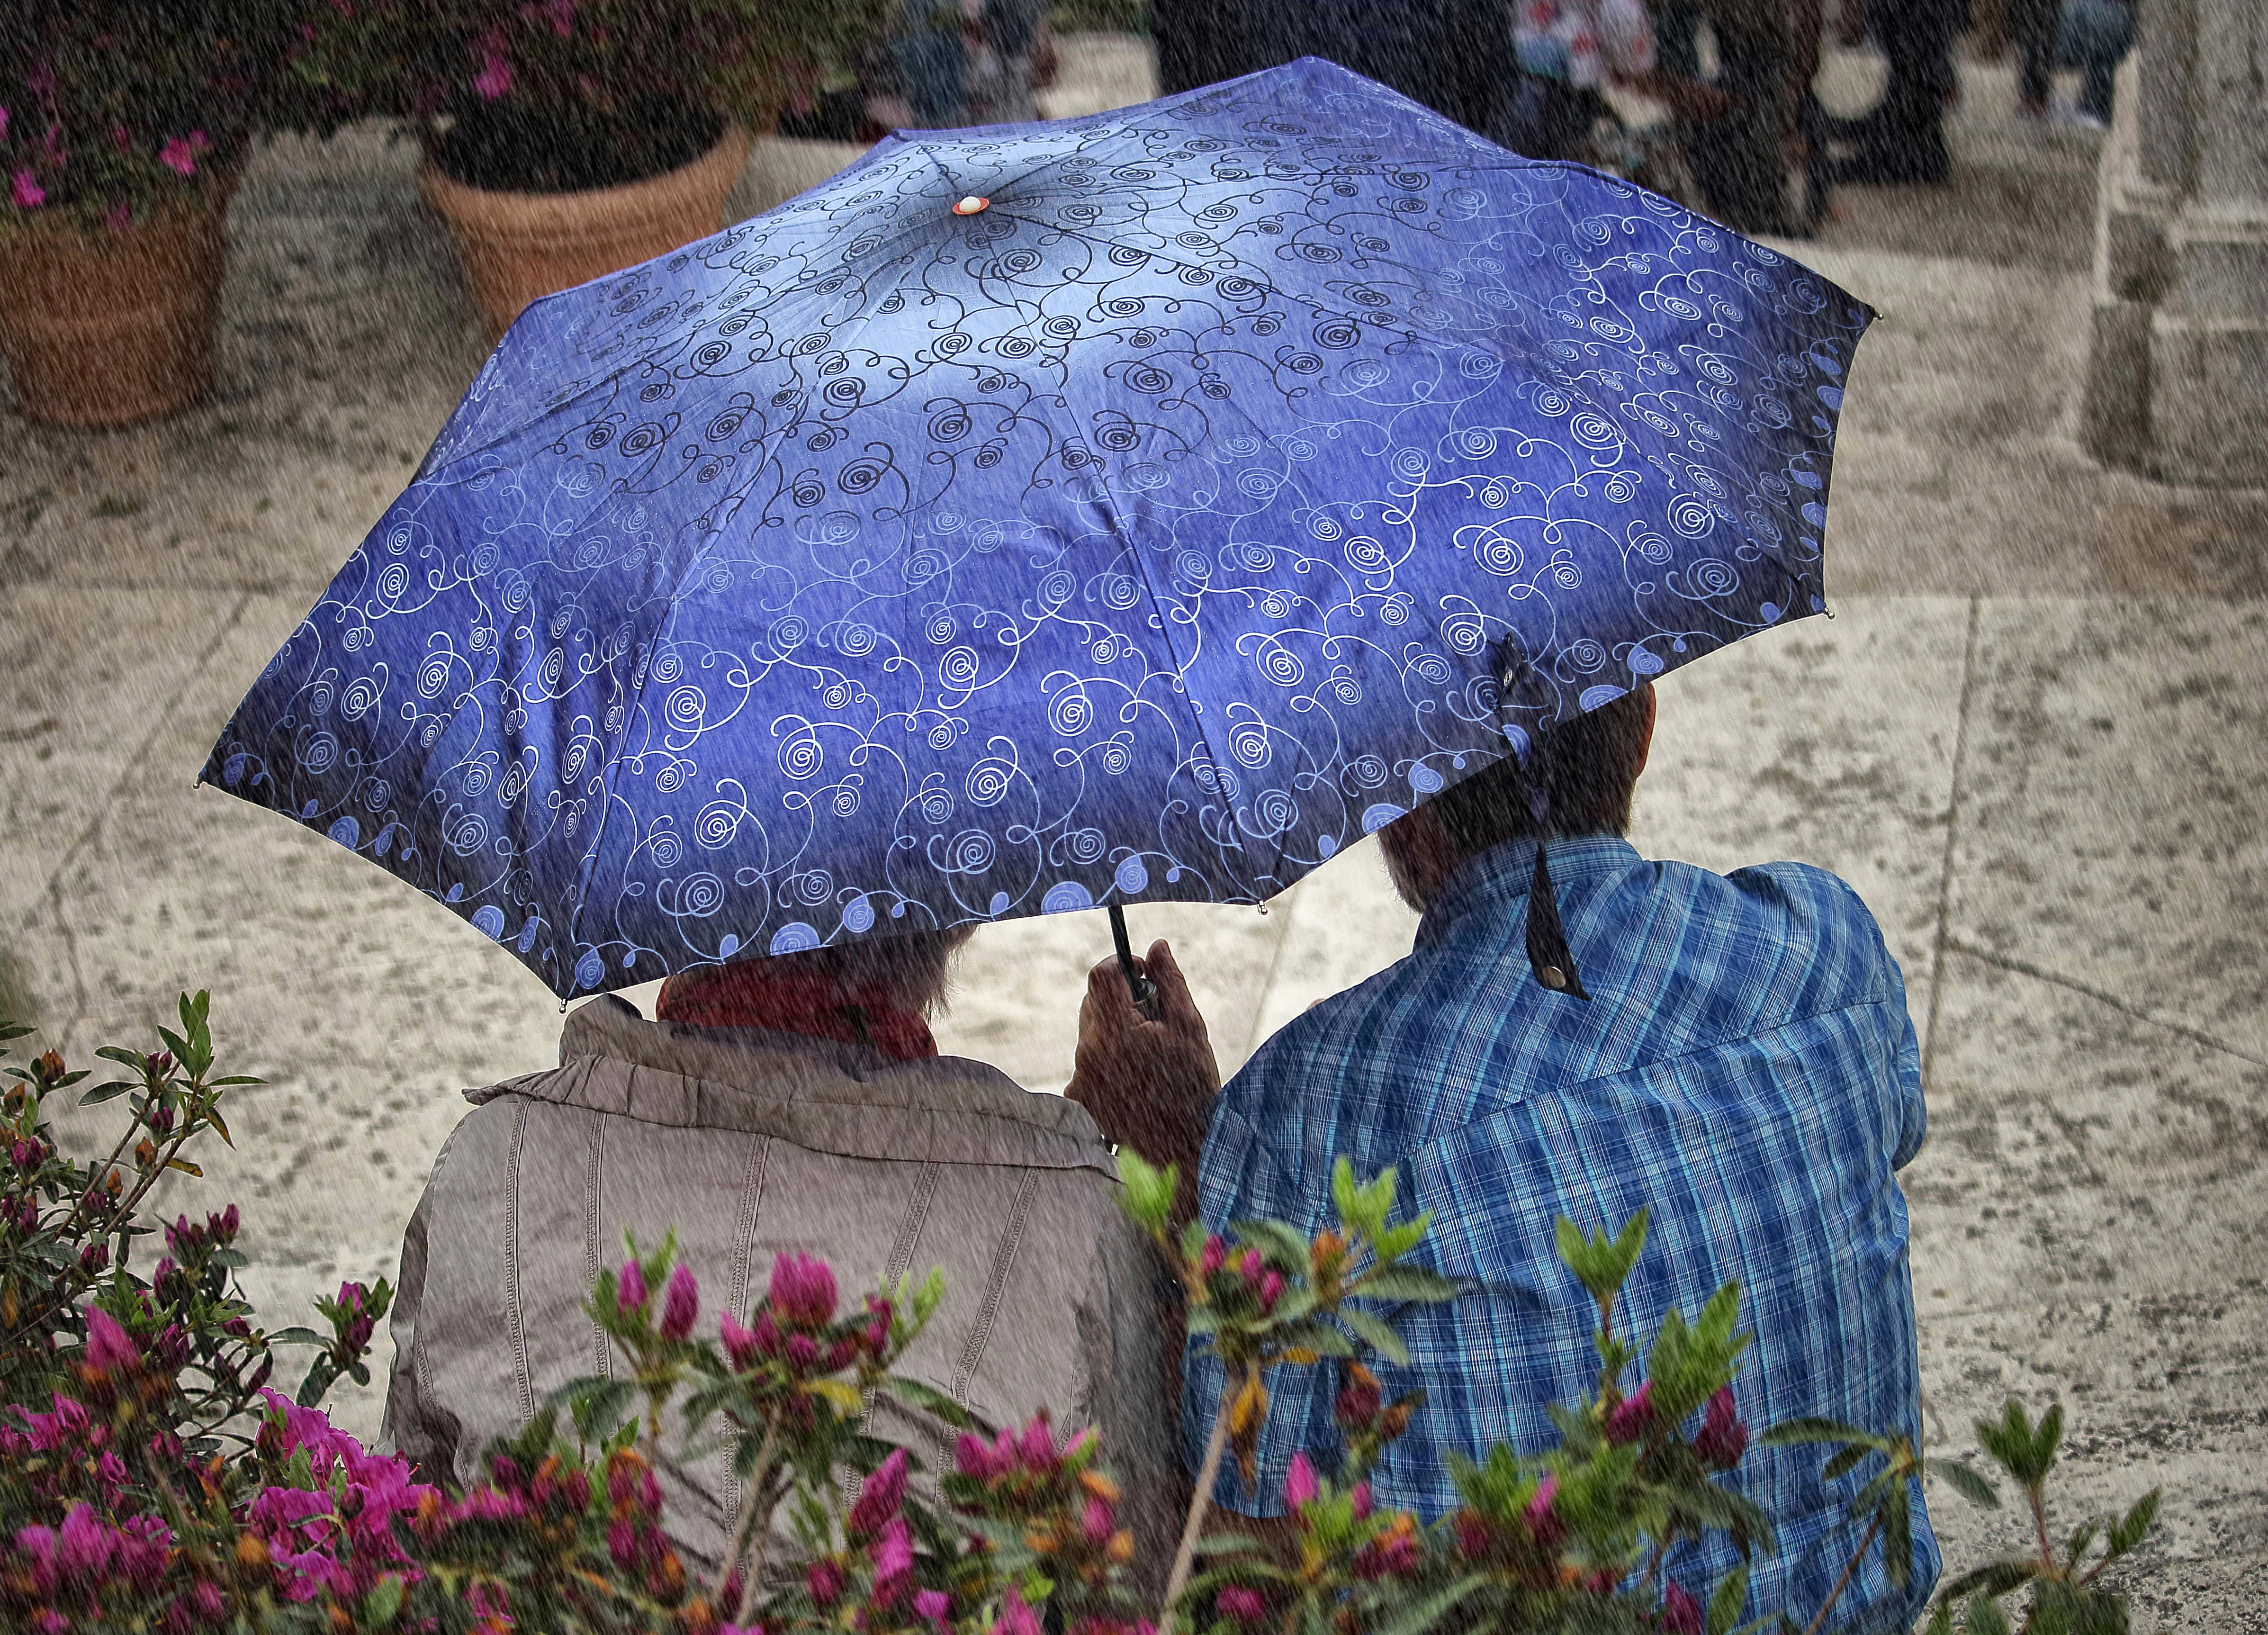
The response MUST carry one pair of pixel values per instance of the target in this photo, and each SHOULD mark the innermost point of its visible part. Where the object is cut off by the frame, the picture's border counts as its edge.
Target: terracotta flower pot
(518, 245)
(106, 328)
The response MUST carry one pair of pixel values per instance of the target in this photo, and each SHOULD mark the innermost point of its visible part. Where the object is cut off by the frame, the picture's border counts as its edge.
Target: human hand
(1150, 1085)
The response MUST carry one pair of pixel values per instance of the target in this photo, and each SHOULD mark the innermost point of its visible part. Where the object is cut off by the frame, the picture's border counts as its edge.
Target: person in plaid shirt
(1744, 1070)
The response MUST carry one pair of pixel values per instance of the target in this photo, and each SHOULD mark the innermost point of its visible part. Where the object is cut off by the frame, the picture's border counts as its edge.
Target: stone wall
(2178, 381)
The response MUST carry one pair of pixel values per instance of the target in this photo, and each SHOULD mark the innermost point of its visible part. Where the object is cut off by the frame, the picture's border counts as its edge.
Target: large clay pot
(518, 245)
(106, 328)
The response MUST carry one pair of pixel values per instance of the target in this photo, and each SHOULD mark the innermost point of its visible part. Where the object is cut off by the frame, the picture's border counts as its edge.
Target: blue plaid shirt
(1745, 1071)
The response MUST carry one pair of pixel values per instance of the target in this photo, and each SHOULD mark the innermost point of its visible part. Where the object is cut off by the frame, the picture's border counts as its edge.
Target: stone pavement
(2033, 737)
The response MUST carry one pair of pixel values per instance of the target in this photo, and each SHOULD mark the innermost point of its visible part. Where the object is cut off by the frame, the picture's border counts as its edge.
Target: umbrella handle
(1144, 991)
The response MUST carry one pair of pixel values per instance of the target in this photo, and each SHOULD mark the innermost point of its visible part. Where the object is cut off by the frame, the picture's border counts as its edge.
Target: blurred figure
(2092, 35)
(1902, 140)
(1562, 51)
(1767, 57)
(946, 63)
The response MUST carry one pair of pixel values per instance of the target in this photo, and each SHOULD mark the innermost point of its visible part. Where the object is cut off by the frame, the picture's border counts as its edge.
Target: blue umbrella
(1123, 509)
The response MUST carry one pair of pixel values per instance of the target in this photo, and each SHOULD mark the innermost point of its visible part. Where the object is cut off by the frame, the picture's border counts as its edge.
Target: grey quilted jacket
(750, 1142)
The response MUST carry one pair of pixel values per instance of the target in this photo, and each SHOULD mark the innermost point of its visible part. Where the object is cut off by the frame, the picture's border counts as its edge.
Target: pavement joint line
(2024, 968)
(137, 764)
(1952, 835)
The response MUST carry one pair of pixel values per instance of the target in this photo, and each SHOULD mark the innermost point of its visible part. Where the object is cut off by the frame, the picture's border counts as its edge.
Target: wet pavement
(2032, 737)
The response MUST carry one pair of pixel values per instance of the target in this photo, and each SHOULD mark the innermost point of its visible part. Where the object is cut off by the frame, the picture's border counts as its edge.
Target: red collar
(744, 994)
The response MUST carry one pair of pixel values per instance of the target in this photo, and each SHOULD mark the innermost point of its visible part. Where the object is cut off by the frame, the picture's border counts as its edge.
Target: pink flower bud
(802, 1351)
(680, 1304)
(1250, 1266)
(1542, 1520)
(1299, 1485)
(1215, 1256)
(1723, 1438)
(1681, 1614)
(879, 1498)
(1272, 1290)
(1631, 1418)
(1240, 1605)
(1038, 1445)
(629, 1289)
(894, 1562)
(1097, 1522)
(972, 1456)
(932, 1605)
(1363, 1502)
(1015, 1618)
(824, 1580)
(803, 1291)
(740, 1343)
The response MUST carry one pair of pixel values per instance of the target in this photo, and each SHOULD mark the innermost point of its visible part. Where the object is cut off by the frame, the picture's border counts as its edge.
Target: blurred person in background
(1767, 55)
(2092, 36)
(1901, 141)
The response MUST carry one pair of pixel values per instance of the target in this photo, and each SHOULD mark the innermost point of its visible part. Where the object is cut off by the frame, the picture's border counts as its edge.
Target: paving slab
(2111, 833)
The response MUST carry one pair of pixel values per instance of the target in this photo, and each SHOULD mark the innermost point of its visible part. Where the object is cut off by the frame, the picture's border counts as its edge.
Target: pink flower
(803, 1291)
(1271, 1289)
(1015, 1618)
(1248, 1266)
(1038, 1445)
(1632, 1417)
(824, 1580)
(802, 1351)
(1215, 1256)
(494, 79)
(972, 1455)
(180, 156)
(629, 1289)
(1240, 1605)
(119, 218)
(1363, 1501)
(1299, 1485)
(741, 1345)
(879, 1498)
(1723, 1438)
(28, 193)
(561, 14)
(894, 1562)
(680, 1304)
(1681, 1614)
(1542, 1520)
(929, 1606)
(1097, 1522)
(109, 1347)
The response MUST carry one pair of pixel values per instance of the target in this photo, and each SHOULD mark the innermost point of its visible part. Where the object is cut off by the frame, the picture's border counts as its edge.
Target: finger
(1109, 1000)
(1176, 1005)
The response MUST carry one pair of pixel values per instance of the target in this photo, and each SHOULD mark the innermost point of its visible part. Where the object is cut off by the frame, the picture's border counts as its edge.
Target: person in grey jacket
(791, 1104)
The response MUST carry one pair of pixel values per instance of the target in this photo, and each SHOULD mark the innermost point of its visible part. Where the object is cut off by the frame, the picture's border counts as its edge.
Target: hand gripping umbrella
(1126, 509)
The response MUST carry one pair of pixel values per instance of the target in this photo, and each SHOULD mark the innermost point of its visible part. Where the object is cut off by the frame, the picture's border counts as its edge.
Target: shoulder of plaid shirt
(1746, 1073)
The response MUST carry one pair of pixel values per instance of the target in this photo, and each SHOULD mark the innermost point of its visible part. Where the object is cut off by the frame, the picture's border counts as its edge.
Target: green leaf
(917, 1394)
(1940, 1622)
(1148, 1193)
(117, 1053)
(1725, 1605)
(1996, 1578)
(1376, 1334)
(318, 1381)
(296, 1335)
(1897, 1537)
(2047, 1440)
(1789, 1433)
(1968, 1481)
(2129, 1532)
(2081, 1536)
(1392, 1242)
(1409, 1283)
(383, 1602)
(1420, 1617)
(110, 1092)
(1983, 1616)
(1318, 1337)
(1846, 1462)
(1279, 1245)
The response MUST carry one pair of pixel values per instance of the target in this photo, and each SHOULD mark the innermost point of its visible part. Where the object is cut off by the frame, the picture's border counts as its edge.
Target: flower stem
(1192, 1530)
(751, 1509)
(1850, 1568)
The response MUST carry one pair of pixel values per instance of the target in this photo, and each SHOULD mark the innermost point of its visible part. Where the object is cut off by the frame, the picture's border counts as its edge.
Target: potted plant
(123, 127)
(565, 139)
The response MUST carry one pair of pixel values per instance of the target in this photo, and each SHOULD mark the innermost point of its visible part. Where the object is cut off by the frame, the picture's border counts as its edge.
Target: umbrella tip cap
(970, 205)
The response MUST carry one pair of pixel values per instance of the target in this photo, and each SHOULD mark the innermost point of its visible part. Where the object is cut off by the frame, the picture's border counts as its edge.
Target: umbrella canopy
(1129, 508)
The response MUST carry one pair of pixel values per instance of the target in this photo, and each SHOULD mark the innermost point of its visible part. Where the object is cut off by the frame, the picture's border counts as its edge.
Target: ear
(1646, 734)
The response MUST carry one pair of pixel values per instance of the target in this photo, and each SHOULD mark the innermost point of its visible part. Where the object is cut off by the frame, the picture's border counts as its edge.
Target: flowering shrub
(152, 1479)
(558, 94)
(112, 109)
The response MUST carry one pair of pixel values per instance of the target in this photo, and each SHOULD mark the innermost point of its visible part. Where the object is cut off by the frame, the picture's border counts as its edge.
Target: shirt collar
(1499, 877)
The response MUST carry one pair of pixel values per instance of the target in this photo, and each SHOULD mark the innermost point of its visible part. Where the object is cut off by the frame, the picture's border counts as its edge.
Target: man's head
(914, 972)
(1583, 770)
